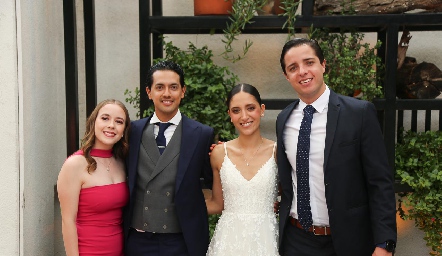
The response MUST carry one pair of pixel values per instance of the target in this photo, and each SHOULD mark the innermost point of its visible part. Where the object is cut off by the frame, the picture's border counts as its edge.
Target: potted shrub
(419, 164)
(353, 68)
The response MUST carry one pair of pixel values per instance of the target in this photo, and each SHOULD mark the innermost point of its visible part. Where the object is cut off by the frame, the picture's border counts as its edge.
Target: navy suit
(357, 178)
(193, 164)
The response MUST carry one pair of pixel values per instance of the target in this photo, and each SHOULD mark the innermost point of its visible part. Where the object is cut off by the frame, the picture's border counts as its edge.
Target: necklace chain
(256, 151)
(108, 165)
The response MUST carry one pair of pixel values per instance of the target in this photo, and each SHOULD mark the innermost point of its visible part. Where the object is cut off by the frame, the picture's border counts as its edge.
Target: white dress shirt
(316, 156)
(168, 133)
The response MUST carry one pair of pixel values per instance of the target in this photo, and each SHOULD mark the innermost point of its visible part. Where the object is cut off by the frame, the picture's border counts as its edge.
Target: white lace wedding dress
(248, 225)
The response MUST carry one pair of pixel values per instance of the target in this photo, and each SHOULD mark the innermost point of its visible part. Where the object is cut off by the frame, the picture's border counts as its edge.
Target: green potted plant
(242, 14)
(353, 68)
(419, 164)
(207, 87)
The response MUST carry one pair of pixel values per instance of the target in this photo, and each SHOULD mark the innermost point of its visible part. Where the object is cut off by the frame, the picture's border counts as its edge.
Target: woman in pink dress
(92, 184)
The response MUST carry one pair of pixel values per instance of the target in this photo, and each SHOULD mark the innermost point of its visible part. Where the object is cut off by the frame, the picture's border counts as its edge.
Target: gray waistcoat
(154, 207)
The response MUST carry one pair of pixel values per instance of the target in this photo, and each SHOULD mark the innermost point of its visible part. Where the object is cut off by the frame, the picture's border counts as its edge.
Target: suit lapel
(285, 114)
(189, 140)
(134, 150)
(332, 122)
(284, 167)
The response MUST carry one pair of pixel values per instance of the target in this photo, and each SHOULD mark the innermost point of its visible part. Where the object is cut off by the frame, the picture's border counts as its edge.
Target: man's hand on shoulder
(213, 146)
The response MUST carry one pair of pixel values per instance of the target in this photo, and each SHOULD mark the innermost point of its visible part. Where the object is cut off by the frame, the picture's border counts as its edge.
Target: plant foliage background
(351, 65)
(419, 164)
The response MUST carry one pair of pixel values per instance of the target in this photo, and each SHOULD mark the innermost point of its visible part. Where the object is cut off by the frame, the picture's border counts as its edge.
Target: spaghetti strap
(274, 148)
(225, 148)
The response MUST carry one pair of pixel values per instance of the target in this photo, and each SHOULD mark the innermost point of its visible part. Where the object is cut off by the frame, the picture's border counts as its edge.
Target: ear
(263, 108)
(323, 66)
(148, 92)
(183, 91)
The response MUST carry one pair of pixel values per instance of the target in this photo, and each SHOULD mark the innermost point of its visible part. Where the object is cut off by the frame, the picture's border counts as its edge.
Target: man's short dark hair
(298, 42)
(164, 65)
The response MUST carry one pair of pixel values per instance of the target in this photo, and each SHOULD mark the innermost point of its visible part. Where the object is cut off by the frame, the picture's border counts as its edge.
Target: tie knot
(309, 110)
(163, 126)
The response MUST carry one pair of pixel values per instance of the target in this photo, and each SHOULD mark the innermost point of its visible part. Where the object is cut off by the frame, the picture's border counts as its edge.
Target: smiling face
(245, 112)
(109, 126)
(305, 72)
(166, 93)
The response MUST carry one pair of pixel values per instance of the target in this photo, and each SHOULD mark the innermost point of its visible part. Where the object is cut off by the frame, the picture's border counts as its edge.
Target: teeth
(246, 124)
(109, 133)
(306, 81)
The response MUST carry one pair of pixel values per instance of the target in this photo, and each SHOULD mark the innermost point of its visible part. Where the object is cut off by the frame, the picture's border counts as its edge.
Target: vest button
(164, 226)
(145, 224)
(148, 192)
(165, 210)
(146, 208)
(167, 194)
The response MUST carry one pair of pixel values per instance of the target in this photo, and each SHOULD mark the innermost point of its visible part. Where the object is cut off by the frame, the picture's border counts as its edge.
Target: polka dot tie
(302, 169)
(161, 139)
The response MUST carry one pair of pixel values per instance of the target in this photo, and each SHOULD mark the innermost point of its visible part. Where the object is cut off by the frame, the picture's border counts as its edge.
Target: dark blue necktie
(302, 169)
(161, 139)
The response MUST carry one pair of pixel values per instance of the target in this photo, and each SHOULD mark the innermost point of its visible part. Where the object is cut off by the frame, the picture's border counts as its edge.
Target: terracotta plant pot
(276, 7)
(212, 7)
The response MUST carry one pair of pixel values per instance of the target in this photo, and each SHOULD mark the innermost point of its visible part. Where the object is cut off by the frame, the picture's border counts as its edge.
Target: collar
(320, 104)
(175, 120)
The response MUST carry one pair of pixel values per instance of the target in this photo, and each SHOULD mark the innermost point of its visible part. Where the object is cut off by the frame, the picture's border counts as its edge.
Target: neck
(104, 153)
(165, 117)
(251, 141)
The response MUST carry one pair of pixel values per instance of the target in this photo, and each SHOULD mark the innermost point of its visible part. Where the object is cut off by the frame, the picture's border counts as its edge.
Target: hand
(381, 252)
(214, 145)
(276, 207)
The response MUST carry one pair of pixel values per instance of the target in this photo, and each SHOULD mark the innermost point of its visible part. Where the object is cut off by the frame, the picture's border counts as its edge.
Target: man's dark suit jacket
(357, 178)
(193, 164)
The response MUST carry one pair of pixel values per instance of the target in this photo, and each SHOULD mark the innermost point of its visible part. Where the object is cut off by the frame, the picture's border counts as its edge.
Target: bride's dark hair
(250, 89)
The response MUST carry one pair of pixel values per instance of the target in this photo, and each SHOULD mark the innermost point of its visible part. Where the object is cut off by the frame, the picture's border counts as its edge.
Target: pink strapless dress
(99, 219)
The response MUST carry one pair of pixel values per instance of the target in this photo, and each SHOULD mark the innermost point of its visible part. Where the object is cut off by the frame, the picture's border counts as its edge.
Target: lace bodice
(249, 196)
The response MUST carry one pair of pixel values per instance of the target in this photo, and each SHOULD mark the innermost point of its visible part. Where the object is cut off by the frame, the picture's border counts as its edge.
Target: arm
(207, 172)
(215, 204)
(68, 186)
(379, 178)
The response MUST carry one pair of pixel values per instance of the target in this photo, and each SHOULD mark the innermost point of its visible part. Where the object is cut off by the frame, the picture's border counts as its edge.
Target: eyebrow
(106, 114)
(247, 105)
(165, 84)
(303, 60)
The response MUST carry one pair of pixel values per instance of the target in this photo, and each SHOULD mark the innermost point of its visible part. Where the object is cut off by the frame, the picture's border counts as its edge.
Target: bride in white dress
(244, 183)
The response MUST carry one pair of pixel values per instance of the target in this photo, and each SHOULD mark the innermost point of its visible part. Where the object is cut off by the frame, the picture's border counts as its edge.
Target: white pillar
(9, 150)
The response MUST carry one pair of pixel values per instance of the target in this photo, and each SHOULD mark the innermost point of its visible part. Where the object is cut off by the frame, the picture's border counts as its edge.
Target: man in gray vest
(168, 155)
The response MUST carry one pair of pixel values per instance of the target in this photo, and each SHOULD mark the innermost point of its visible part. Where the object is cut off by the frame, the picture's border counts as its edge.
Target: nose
(302, 70)
(111, 124)
(244, 115)
(166, 91)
